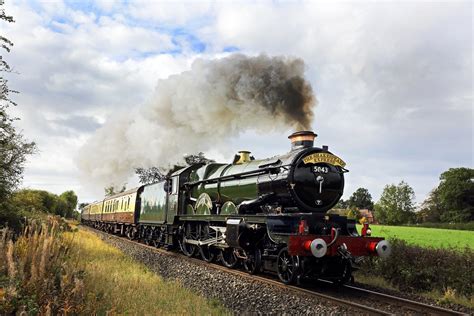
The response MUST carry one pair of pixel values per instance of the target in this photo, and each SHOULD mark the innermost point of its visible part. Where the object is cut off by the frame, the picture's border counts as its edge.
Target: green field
(426, 237)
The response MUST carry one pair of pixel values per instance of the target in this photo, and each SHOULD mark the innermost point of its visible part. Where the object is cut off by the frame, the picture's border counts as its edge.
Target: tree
(70, 203)
(342, 204)
(396, 205)
(430, 210)
(150, 175)
(196, 159)
(109, 191)
(456, 195)
(13, 147)
(361, 199)
(154, 174)
(452, 200)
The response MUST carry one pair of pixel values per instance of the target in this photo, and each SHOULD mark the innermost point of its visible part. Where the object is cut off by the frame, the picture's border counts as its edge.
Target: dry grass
(115, 283)
(449, 296)
(34, 276)
(47, 271)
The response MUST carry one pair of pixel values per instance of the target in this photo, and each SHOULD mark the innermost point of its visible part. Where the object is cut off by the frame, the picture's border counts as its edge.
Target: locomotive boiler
(305, 180)
(265, 215)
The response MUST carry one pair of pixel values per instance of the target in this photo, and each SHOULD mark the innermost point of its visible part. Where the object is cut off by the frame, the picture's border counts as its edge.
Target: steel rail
(403, 302)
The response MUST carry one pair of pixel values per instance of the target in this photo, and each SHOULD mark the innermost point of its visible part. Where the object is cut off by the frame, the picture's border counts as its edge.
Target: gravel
(240, 295)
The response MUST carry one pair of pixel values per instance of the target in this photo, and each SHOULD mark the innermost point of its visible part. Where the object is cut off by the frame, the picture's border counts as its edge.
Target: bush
(413, 268)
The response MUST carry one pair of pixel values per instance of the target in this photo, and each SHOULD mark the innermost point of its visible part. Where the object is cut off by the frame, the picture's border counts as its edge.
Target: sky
(393, 80)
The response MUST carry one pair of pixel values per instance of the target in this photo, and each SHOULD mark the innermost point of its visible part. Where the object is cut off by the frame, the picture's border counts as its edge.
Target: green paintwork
(153, 203)
(189, 209)
(235, 190)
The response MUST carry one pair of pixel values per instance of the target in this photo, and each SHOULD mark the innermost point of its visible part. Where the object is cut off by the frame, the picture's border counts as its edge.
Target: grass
(448, 297)
(426, 237)
(115, 283)
(50, 269)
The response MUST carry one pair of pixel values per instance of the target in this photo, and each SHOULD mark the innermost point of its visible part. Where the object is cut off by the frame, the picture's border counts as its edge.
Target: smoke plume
(197, 110)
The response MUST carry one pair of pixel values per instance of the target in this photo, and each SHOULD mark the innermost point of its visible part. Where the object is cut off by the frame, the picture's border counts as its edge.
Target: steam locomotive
(266, 215)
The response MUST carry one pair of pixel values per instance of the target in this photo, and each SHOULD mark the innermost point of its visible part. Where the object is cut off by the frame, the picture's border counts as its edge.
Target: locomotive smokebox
(302, 139)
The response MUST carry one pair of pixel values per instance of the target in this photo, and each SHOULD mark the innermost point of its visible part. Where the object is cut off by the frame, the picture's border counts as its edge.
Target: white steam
(198, 110)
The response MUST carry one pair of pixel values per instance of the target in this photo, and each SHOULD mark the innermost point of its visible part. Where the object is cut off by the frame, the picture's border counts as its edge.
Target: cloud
(394, 81)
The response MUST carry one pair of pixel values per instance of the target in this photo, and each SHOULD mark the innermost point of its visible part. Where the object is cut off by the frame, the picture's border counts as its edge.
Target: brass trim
(244, 157)
(324, 158)
(302, 138)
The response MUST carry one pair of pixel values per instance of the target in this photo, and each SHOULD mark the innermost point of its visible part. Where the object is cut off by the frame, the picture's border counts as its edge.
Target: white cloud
(393, 80)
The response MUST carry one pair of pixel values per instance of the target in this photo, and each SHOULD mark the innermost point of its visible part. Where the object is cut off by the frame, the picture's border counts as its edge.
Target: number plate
(319, 169)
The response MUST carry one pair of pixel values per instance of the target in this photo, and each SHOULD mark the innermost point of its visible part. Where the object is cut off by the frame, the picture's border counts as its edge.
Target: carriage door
(172, 199)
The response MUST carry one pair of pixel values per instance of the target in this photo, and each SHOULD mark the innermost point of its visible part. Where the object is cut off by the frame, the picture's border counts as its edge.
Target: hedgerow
(414, 268)
(458, 226)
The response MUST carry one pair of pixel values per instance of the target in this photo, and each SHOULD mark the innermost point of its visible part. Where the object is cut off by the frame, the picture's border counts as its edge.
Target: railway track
(364, 301)
(408, 306)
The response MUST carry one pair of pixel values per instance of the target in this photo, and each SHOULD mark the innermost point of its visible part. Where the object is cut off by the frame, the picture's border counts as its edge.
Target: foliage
(426, 237)
(109, 191)
(361, 199)
(452, 200)
(456, 195)
(458, 226)
(29, 201)
(33, 277)
(49, 270)
(430, 210)
(136, 290)
(70, 200)
(342, 204)
(396, 204)
(13, 147)
(150, 175)
(154, 174)
(197, 159)
(413, 268)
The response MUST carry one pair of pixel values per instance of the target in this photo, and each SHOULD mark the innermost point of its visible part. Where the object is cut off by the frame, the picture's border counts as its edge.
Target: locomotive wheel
(207, 254)
(253, 262)
(188, 249)
(228, 258)
(149, 237)
(287, 266)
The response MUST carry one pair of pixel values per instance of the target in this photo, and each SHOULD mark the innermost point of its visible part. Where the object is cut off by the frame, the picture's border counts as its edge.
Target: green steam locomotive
(266, 215)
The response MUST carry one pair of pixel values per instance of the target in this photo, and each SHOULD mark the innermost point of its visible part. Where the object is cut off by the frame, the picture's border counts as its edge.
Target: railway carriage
(119, 212)
(95, 213)
(268, 214)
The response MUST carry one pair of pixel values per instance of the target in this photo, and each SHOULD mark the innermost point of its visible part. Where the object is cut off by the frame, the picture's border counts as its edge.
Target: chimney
(302, 139)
